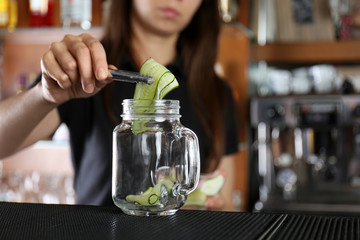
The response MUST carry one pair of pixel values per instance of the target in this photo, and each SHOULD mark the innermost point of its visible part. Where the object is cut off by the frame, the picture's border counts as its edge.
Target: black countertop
(41, 221)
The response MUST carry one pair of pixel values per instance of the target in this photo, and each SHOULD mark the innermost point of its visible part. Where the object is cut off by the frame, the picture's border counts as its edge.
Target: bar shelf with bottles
(46, 13)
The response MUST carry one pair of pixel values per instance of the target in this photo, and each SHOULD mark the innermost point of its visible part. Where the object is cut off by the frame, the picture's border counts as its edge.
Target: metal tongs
(128, 76)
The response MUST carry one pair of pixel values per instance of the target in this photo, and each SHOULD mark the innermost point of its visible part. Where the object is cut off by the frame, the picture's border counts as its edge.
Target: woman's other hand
(75, 67)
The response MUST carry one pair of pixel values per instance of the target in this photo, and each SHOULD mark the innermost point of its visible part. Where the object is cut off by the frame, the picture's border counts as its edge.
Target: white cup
(301, 83)
(323, 77)
(280, 81)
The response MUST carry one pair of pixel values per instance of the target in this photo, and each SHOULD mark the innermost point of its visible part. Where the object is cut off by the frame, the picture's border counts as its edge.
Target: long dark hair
(198, 49)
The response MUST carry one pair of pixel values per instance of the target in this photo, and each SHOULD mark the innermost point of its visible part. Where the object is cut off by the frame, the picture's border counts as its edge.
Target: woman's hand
(75, 67)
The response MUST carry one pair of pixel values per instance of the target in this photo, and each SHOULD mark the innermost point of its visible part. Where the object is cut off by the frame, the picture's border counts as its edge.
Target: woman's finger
(98, 56)
(51, 68)
(81, 53)
(65, 60)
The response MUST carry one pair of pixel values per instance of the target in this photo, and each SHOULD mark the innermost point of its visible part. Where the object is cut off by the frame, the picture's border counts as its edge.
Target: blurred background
(293, 65)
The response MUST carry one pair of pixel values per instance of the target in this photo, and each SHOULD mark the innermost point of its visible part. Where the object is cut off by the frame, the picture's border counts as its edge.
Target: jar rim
(150, 108)
(156, 101)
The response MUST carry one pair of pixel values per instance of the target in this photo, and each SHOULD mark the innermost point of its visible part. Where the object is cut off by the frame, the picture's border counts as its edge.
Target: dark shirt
(91, 131)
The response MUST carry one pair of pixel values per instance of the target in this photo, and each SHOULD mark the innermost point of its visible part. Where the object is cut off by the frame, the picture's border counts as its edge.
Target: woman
(181, 34)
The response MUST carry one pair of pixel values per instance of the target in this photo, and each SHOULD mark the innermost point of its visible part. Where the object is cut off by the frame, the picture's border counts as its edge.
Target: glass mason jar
(156, 161)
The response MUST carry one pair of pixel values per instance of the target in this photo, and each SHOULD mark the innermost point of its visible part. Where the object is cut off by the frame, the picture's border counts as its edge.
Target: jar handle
(192, 160)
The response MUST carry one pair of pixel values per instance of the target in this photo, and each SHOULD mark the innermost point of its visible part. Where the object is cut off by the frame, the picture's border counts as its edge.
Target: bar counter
(48, 221)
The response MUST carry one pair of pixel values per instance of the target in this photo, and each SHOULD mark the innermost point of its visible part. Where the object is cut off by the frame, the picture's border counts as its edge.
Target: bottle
(13, 15)
(228, 10)
(76, 13)
(156, 161)
(4, 13)
(41, 12)
(8, 14)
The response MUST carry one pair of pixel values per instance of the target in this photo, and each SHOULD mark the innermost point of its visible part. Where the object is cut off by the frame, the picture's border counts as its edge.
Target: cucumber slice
(212, 186)
(148, 191)
(153, 199)
(148, 198)
(167, 83)
(152, 195)
(164, 81)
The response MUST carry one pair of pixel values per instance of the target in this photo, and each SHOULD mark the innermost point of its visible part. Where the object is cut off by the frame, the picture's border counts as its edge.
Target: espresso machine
(306, 149)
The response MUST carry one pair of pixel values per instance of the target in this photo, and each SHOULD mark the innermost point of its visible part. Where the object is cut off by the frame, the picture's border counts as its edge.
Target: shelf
(302, 53)
(24, 14)
(45, 35)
